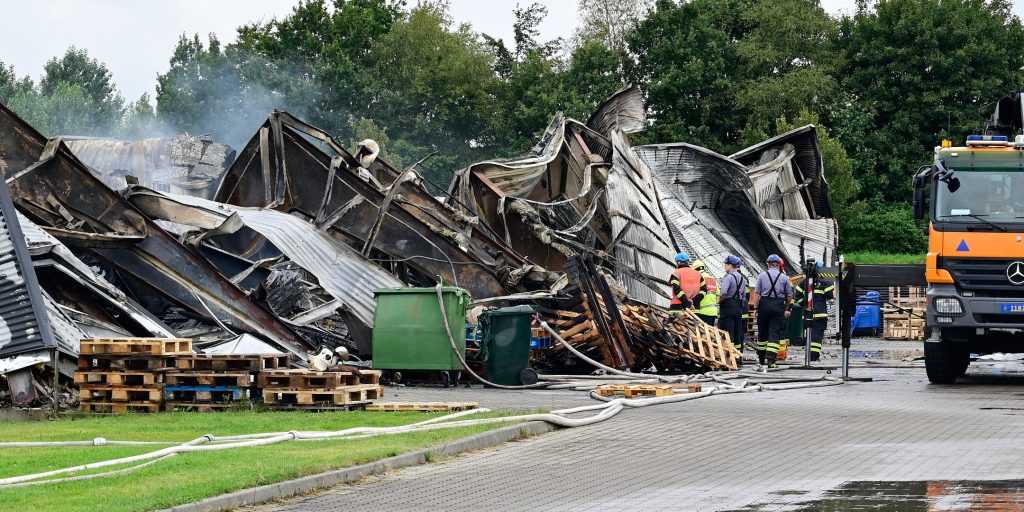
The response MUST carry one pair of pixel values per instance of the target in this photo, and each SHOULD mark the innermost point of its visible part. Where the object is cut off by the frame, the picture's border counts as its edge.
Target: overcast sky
(135, 38)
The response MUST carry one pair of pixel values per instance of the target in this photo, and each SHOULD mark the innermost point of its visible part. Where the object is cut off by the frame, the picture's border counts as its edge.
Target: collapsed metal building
(287, 244)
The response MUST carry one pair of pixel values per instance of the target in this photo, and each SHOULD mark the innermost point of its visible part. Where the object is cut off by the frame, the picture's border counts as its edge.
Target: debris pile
(281, 248)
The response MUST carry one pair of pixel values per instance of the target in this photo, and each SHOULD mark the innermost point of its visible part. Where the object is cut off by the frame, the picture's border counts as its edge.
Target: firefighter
(823, 291)
(772, 295)
(733, 302)
(685, 283)
(706, 301)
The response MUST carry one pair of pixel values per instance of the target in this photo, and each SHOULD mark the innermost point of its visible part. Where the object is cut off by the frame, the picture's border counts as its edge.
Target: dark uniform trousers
(822, 290)
(731, 321)
(771, 321)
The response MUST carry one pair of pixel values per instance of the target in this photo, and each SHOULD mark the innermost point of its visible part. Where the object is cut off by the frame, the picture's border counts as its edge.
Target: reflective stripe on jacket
(709, 302)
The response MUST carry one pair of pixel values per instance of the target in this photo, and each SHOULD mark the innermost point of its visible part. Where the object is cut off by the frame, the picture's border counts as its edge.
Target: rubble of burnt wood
(286, 251)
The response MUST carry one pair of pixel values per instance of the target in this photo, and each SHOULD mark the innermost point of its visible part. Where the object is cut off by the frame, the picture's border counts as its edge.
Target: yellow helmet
(699, 265)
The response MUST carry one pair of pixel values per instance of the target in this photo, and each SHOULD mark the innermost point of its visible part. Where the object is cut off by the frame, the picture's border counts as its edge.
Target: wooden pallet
(690, 387)
(120, 363)
(232, 362)
(205, 394)
(185, 378)
(903, 329)
(135, 346)
(346, 395)
(301, 379)
(118, 408)
(207, 407)
(422, 406)
(138, 378)
(103, 393)
(354, 406)
(635, 390)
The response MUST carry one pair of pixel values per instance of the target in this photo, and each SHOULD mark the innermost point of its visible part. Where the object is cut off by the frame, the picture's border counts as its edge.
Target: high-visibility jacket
(823, 290)
(685, 283)
(708, 305)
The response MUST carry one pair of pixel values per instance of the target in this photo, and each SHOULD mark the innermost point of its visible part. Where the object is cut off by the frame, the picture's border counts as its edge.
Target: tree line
(884, 84)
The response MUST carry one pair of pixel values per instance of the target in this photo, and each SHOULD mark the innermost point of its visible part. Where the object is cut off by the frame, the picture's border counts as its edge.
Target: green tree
(786, 63)
(881, 227)
(91, 78)
(686, 63)
(326, 55)
(435, 88)
(593, 74)
(140, 120)
(610, 21)
(10, 84)
(922, 70)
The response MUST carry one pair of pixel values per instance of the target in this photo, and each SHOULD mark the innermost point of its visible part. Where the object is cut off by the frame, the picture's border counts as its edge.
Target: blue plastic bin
(868, 316)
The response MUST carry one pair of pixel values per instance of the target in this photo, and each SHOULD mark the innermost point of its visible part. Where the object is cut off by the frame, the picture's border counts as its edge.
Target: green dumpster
(408, 333)
(506, 343)
(795, 326)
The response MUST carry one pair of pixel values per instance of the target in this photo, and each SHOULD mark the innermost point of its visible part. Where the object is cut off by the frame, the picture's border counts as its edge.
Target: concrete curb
(265, 493)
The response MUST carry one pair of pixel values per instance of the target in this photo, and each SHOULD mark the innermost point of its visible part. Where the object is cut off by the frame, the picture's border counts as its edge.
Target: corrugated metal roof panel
(24, 326)
(806, 165)
(643, 245)
(817, 238)
(624, 111)
(179, 163)
(19, 331)
(705, 201)
(341, 271)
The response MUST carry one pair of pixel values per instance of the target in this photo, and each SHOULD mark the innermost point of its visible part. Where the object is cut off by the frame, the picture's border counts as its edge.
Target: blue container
(541, 343)
(869, 313)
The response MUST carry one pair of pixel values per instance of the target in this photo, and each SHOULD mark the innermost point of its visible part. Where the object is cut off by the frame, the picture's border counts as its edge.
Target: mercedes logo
(1015, 273)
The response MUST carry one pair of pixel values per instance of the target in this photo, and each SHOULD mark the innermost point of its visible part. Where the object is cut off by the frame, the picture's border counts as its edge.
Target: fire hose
(607, 409)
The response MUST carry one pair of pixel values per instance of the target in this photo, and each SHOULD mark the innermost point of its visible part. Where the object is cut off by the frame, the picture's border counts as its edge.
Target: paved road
(795, 450)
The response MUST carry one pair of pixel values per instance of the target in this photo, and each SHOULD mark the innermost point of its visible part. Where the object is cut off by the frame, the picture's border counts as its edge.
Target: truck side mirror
(920, 180)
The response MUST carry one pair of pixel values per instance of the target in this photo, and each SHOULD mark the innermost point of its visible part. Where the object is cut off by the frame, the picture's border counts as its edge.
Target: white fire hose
(608, 408)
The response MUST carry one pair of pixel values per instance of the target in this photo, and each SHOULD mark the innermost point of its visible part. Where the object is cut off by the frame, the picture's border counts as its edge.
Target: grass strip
(194, 476)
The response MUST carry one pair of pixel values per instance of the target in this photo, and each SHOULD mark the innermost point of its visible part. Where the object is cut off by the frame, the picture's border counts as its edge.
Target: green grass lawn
(190, 477)
(881, 258)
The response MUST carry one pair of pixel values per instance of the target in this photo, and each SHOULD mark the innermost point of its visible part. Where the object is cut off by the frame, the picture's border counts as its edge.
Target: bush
(881, 227)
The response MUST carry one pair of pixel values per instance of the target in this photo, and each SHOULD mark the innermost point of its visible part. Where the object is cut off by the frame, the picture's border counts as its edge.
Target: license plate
(1012, 308)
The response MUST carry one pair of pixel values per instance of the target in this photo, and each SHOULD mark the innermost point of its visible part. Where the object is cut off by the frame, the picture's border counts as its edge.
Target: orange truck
(973, 196)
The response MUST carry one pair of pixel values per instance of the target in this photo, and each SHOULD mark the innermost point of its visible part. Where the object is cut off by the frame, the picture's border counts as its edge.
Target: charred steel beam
(157, 258)
(52, 190)
(415, 227)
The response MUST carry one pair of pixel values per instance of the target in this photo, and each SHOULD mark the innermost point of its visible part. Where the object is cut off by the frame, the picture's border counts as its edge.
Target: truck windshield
(984, 197)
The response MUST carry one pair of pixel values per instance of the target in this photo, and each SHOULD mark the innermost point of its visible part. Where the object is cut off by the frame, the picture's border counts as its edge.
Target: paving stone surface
(767, 451)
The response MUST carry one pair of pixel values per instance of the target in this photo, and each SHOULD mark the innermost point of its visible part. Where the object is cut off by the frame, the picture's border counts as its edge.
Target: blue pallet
(236, 392)
(541, 343)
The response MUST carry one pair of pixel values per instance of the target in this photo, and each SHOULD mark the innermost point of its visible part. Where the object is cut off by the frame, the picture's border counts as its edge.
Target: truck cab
(975, 262)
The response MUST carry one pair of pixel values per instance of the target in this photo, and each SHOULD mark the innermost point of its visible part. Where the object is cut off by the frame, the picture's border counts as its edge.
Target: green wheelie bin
(408, 333)
(505, 345)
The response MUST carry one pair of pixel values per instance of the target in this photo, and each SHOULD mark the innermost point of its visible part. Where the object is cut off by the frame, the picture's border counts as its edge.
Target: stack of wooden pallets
(204, 382)
(904, 313)
(119, 375)
(351, 388)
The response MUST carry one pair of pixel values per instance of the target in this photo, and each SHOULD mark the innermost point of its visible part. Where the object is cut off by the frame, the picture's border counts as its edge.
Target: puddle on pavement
(932, 496)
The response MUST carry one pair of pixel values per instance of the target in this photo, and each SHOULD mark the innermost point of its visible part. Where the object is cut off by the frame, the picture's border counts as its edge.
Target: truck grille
(986, 277)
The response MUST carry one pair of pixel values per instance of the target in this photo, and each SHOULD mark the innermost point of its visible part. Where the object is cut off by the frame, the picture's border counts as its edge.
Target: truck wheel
(942, 362)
